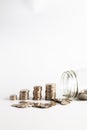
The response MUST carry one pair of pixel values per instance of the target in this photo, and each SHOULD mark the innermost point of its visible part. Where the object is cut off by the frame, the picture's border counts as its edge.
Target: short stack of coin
(82, 95)
(50, 92)
(24, 94)
(37, 93)
(13, 97)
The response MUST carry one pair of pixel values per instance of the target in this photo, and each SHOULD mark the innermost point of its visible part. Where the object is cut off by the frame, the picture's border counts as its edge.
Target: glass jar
(72, 82)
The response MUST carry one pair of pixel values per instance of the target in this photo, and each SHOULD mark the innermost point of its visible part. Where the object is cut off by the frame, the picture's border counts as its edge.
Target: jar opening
(69, 84)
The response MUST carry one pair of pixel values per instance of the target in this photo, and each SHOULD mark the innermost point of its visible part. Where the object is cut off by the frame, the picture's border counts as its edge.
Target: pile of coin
(63, 101)
(82, 95)
(13, 97)
(42, 105)
(37, 93)
(24, 94)
(50, 92)
(24, 104)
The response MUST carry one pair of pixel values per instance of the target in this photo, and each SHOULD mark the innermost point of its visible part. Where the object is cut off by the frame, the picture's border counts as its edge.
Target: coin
(27, 102)
(50, 92)
(42, 105)
(53, 103)
(83, 91)
(82, 96)
(24, 94)
(13, 97)
(56, 100)
(62, 101)
(45, 105)
(38, 88)
(14, 105)
(37, 93)
(20, 105)
(24, 104)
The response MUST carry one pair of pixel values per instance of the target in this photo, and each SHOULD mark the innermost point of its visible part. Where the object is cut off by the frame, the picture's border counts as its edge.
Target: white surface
(72, 116)
(39, 39)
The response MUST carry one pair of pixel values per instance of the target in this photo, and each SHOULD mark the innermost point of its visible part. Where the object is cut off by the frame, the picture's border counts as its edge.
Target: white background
(39, 39)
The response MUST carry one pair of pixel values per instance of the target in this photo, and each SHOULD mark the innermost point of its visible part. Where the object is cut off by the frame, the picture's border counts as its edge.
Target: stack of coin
(37, 93)
(50, 92)
(82, 95)
(13, 97)
(24, 94)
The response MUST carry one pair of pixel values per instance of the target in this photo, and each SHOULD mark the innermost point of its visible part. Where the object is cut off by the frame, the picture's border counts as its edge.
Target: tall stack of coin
(24, 94)
(37, 93)
(50, 92)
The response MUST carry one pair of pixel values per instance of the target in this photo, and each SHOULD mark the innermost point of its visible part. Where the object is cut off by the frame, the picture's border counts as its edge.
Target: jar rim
(66, 77)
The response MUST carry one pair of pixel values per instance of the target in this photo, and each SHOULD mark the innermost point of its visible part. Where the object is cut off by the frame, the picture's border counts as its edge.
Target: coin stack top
(24, 94)
(50, 92)
(37, 93)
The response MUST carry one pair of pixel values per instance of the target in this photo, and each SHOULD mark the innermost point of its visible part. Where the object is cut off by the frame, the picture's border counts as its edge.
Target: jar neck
(70, 83)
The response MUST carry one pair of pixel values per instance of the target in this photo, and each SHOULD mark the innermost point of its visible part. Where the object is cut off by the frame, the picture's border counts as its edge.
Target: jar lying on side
(73, 82)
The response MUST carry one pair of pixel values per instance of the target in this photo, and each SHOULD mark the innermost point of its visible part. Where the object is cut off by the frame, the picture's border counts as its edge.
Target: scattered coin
(83, 91)
(13, 97)
(27, 102)
(45, 105)
(56, 100)
(20, 105)
(14, 105)
(62, 101)
(53, 103)
(24, 104)
(82, 95)
(42, 105)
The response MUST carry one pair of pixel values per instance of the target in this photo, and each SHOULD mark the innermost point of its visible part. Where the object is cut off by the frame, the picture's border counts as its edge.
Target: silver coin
(64, 102)
(82, 96)
(42, 105)
(53, 103)
(20, 105)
